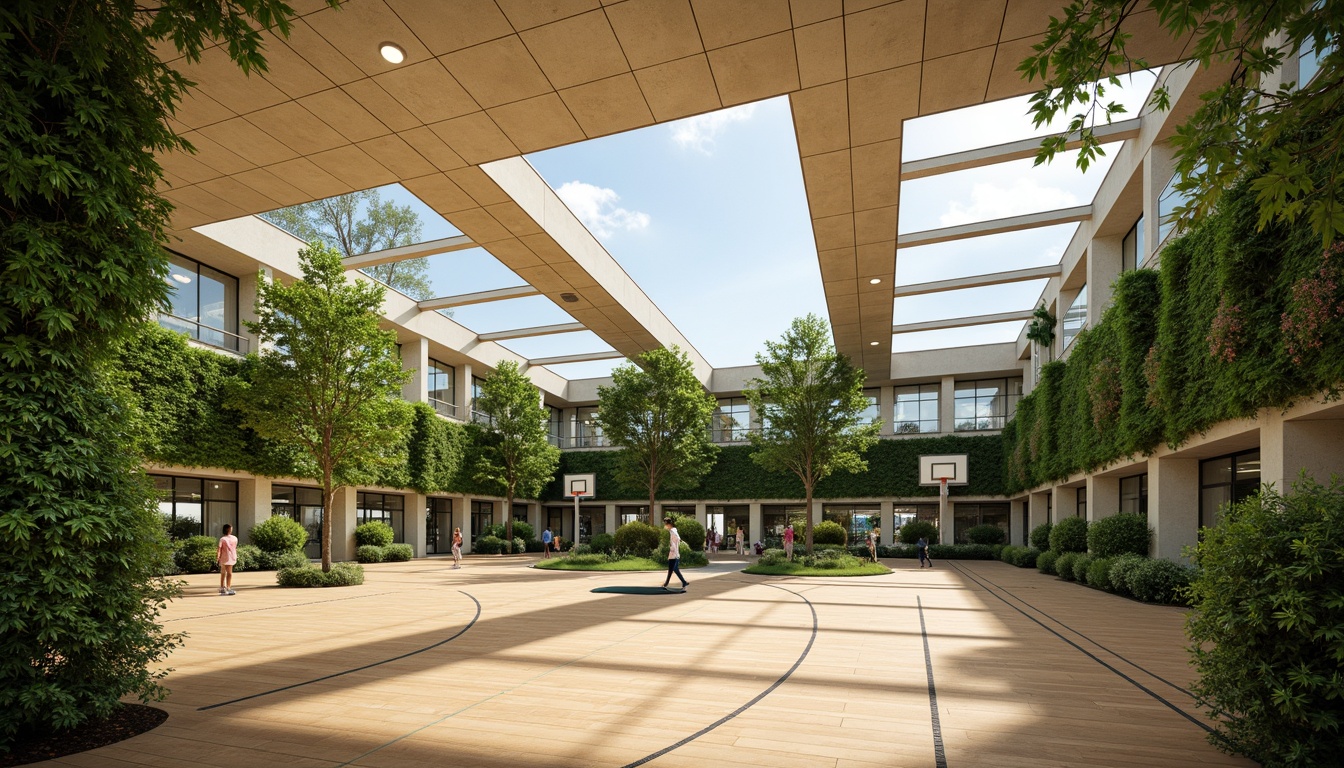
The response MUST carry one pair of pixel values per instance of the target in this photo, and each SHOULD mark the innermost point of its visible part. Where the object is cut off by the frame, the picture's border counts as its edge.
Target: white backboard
(953, 467)
(586, 485)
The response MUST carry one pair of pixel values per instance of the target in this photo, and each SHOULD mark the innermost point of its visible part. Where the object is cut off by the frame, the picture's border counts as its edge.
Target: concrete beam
(480, 297)
(407, 252)
(536, 330)
(1013, 150)
(585, 357)
(977, 281)
(962, 322)
(994, 227)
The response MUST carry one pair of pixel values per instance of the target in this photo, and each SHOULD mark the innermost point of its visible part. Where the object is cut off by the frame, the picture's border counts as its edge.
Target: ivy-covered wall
(893, 470)
(1235, 319)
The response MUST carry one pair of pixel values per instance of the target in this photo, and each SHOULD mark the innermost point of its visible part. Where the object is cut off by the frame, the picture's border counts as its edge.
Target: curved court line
(1139, 667)
(273, 607)
(749, 704)
(1086, 653)
(456, 635)
(939, 754)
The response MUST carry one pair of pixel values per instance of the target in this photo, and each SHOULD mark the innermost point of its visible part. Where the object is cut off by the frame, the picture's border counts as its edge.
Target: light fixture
(874, 343)
(568, 298)
(392, 53)
(183, 279)
(875, 281)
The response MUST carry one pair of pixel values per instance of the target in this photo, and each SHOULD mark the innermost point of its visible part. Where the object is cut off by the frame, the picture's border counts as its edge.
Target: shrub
(1040, 537)
(279, 533)
(1045, 562)
(583, 549)
(524, 531)
(1080, 566)
(1160, 581)
(181, 529)
(1269, 614)
(250, 558)
(1119, 535)
(637, 539)
(961, 552)
(398, 553)
(580, 559)
(986, 534)
(1064, 565)
(1099, 573)
(487, 545)
(1069, 535)
(829, 532)
(1121, 567)
(1027, 557)
(369, 553)
(532, 545)
(1008, 553)
(772, 557)
(196, 555)
(341, 575)
(914, 530)
(603, 543)
(295, 558)
(519, 546)
(374, 534)
(690, 530)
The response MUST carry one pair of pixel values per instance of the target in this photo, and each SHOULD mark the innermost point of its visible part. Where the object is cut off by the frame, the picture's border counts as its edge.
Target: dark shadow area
(128, 721)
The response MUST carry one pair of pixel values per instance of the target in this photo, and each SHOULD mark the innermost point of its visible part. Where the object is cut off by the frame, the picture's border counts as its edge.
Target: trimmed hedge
(1118, 535)
(690, 530)
(278, 533)
(1064, 565)
(1022, 557)
(487, 545)
(962, 552)
(196, 555)
(1069, 535)
(274, 561)
(1099, 573)
(605, 543)
(250, 558)
(1160, 581)
(398, 553)
(986, 534)
(1080, 566)
(1040, 537)
(914, 530)
(829, 532)
(374, 534)
(340, 575)
(1045, 562)
(1121, 568)
(369, 553)
(637, 539)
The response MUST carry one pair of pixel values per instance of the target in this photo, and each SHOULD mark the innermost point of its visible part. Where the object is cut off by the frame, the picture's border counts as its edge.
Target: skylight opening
(469, 271)
(555, 345)
(596, 369)
(510, 313)
(992, 333)
(1039, 247)
(965, 302)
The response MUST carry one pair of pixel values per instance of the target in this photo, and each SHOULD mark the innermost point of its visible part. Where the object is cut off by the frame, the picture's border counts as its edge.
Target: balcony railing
(204, 333)
(480, 417)
(444, 408)
(589, 441)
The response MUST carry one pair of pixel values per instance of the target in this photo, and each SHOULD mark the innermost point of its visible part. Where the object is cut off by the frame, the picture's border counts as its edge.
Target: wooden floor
(498, 664)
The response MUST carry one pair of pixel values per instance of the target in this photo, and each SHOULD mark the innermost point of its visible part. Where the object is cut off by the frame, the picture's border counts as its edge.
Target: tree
(329, 380)
(658, 412)
(82, 229)
(515, 456)
(810, 399)
(1288, 140)
(359, 223)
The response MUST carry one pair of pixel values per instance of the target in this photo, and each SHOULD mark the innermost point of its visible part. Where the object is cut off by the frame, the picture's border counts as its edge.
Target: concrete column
(656, 515)
(415, 357)
(1104, 261)
(413, 523)
(701, 515)
(755, 525)
(569, 416)
(886, 409)
(1038, 505)
(1022, 521)
(612, 520)
(946, 401)
(463, 386)
(1157, 167)
(343, 522)
(1066, 502)
(1173, 505)
(887, 521)
(1289, 447)
(947, 522)
(1103, 497)
(816, 512)
(247, 309)
(254, 505)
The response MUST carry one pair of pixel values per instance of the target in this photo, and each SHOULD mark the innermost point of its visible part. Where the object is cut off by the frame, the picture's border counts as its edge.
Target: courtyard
(499, 664)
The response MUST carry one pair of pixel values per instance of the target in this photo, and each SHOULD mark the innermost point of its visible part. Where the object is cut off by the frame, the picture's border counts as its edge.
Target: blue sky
(709, 216)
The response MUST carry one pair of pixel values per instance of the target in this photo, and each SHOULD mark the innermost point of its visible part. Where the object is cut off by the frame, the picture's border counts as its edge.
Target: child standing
(457, 547)
(227, 555)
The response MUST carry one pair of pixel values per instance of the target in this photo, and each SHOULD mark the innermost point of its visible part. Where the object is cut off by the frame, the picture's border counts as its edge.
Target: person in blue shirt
(546, 539)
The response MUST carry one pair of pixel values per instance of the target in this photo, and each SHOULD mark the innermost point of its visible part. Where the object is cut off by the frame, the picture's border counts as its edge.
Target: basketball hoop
(942, 487)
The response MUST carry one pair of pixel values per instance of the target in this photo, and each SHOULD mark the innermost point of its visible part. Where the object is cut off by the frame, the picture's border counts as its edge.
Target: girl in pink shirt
(227, 557)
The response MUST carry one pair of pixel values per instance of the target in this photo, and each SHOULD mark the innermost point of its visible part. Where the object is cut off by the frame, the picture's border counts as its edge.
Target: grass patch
(600, 563)
(798, 569)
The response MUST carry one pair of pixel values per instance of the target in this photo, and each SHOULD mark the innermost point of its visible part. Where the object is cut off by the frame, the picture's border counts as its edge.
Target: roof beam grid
(995, 226)
(585, 357)
(1014, 150)
(480, 297)
(536, 330)
(962, 322)
(406, 252)
(978, 281)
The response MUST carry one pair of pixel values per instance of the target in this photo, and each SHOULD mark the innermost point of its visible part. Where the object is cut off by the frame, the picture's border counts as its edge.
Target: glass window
(1167, 203)
(985, 404)
(438, 525)
(384, 508)
(1131, 248)
(482, 517)
(194, 506)
(443, 388)
(731, 420)
(1226, 480)
(872, 414)
(476, 415)
(202, 303)
(1309, 61)
(592, 521)
(726, 520)
(1075, 320)
(1134, 495)
(856, 519)
(967, 516)
(587, 432)
(303, 505)
(916, 409)
(905, 513)
(773, 519)
(554, 425)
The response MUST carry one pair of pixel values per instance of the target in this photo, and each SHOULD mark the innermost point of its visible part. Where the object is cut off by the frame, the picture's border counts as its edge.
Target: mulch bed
(130, 720)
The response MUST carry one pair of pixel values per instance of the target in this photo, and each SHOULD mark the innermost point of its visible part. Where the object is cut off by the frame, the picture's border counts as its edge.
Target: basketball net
(942, 487)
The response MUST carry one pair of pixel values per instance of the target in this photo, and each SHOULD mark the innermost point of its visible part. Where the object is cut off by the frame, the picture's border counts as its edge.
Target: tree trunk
(508, 519)
(328, 501)
(807, 510)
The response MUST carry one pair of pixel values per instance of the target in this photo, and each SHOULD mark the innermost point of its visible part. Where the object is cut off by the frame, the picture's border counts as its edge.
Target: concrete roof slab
(655, 31)
(475, 137)
(354, 167)
(397, 156)
(722, 24)
(956, 80)
(343, 114)
(247, 141)
(830, 189)
(381, 105)
(433, 149)
(875, 224)
(473, 22)
(525, 14)
(756, 69)
(880, 38)
(427, 91)
(821, 52)
(877, 175)
(821, 119)
(440, 193)
(811, 11)
(880, 101)
(357, 29)
(831, 232)
(679, 88)
(608, 106)
(297, 128)
(307, 176)
(497, 72)
(537, 123)
(954, 26)
(576, 50)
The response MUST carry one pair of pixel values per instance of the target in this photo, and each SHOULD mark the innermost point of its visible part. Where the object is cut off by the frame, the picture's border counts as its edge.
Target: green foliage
(1041, 329)
(1022, 557)
(1069, 535)
(1064, 565)
(691, 531)
(1099, 573)
(180, 529)
(340, 575)
(1045, 562)
(329, 382)
(487, 545)
(603, 543)
(1121, 569)
(196, 555)
(772, 557)
(656, 409)
(398, 553)
(986, 534)
(915, 530)
(1118, 535)
(279, 533)
(374, 534)
(523, 530)
(636, 539)
(518, 546)
(1267, 632)
(515, 458)
(1081, 564)
(810, 399)
(1040, 536)
(689, 557)
(250, 558)
(962, 552)
(830, 532)
(1237, 130)
(274, 561)
(1159, 581)
(369, 553)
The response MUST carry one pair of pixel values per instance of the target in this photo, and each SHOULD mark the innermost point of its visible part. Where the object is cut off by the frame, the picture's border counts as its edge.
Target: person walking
(713, 540)
(457, 547)
(923, 546)
(872, 542)
(741, 537)
(227, 557)
(546, 539)
(788, 542)
(673, 555)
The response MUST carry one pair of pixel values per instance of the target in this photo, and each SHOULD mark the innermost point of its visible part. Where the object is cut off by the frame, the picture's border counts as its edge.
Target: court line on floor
(456, 635)
(939, 754)
(1086, 653)
(1137, 666)
(274, 607)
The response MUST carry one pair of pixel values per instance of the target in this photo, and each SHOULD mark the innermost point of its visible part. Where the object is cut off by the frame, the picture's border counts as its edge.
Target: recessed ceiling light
(569, 298)
(875, 281)
(393, 53)
(874, 343)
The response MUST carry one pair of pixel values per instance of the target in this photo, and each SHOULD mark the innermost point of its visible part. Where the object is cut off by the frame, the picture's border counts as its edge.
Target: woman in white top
(673, 554)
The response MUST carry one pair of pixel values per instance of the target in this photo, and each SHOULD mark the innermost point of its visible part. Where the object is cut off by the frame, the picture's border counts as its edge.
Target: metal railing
(205, 334)
(444, 408)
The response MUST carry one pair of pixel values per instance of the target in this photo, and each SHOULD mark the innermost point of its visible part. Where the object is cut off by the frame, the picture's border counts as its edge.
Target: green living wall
(1234, 319)
(893, 470)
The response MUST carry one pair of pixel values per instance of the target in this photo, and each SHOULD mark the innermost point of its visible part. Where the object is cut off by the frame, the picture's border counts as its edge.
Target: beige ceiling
(485, 80)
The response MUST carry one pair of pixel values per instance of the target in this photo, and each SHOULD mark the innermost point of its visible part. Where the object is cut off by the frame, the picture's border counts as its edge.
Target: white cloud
(991, 201)
(596, 208)
(698, 133)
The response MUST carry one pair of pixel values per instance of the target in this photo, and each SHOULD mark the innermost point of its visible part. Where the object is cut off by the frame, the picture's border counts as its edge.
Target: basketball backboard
(934, 469)
(582, 486)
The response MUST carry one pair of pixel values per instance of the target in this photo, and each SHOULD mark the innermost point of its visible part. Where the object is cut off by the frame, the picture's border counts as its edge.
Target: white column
(415, 357)
(1103, 497)
(701, 515)
(754, 522)
(413, 522)
(254, 505)
(887, 521)
(343, 522)
(1038, 505)
(463, 386)
(1173, 505)
(886, 409)
(1066, 502)
(1104, 262)
(947, 392)
(1288, 447)
(612, 520)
